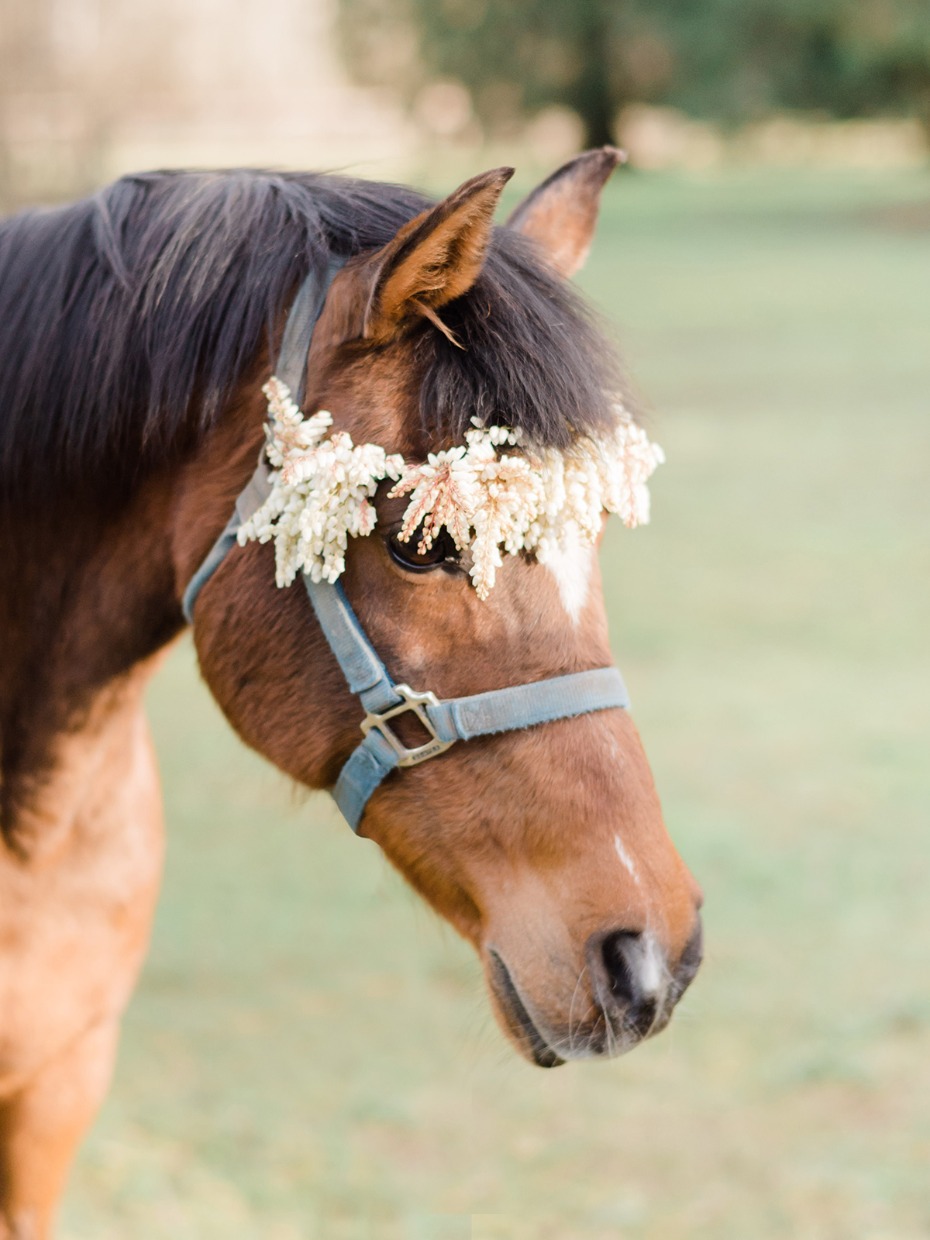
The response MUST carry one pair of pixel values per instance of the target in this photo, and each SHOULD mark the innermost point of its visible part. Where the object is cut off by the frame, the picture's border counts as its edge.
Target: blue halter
(456, 719)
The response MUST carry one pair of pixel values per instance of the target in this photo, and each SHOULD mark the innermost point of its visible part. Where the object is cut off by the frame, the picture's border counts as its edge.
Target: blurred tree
(738, 60)
(592, 56)
(730, 60)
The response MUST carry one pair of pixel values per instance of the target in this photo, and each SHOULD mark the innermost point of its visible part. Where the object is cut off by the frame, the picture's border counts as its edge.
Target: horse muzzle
(625, 991)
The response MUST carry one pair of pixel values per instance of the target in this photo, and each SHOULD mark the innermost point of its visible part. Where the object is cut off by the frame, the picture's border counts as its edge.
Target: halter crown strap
(291, 366)
(445, 722)
(291, 369)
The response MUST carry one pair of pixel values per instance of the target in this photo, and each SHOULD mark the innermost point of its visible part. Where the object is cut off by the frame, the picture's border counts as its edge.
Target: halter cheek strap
(445, 722)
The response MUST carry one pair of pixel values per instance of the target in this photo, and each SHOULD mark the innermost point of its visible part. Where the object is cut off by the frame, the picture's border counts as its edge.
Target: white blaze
(626, 860)
(570, 564)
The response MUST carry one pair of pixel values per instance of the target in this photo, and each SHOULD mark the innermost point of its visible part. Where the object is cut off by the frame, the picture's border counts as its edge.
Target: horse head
(544, 846)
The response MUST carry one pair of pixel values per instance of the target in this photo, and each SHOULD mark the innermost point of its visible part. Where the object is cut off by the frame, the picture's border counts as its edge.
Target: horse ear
(434, 258)
(560, 214)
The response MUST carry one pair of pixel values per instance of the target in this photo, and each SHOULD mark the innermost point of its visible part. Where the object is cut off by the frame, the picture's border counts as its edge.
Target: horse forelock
(127, 321)
(532, 355)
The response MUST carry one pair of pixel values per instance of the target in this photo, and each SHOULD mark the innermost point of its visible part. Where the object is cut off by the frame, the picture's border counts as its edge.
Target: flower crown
(488, 499)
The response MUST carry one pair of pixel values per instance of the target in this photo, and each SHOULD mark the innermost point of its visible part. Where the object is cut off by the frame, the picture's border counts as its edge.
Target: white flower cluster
(320, 493)
(490, 501)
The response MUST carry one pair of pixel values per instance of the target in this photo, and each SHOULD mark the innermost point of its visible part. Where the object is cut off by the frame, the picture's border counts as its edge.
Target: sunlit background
(309, 1053)
(93, 88)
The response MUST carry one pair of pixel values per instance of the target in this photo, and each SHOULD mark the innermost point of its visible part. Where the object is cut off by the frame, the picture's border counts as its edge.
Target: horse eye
(408, 556)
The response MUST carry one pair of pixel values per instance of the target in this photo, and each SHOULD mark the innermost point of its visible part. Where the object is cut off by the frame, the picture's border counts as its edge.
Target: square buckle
(417, 704)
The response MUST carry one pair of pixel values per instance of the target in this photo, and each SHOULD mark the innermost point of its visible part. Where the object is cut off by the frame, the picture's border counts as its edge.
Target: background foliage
(730, 60)
(93, 88)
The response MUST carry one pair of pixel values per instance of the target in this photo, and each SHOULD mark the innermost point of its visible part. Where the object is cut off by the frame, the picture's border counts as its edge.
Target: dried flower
(490, 501)
(320, 492)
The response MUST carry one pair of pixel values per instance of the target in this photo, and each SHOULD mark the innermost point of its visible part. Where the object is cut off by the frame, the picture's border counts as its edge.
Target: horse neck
(89, 593)
(79, 607)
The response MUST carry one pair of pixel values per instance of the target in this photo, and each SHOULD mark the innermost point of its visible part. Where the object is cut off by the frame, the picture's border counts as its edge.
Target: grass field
(310, 1054)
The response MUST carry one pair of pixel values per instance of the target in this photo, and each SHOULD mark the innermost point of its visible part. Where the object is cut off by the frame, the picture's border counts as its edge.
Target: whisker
(571, 1009)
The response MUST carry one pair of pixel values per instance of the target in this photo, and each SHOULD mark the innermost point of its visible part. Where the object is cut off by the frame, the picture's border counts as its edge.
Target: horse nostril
(690, 960)
(630, 970)
(636, 985)
(620, 952)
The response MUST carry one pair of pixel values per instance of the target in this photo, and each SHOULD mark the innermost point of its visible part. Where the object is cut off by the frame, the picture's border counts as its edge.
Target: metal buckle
(417, 703)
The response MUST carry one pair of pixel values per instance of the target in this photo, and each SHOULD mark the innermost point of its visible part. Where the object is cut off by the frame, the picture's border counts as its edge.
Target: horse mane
(128, 319)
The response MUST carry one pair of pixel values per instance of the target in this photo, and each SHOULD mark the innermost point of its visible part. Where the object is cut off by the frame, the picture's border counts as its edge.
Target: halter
(383, 701)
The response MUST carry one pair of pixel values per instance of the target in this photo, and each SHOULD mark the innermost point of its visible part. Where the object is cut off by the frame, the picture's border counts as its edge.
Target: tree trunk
(594, 100)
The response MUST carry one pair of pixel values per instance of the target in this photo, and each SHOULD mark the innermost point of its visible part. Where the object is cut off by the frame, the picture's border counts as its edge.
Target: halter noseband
(455, 719)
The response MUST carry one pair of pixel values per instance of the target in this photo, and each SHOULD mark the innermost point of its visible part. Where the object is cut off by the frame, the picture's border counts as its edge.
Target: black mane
(127, 320)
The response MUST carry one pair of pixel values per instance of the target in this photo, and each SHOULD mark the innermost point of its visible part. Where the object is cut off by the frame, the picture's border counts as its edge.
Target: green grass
(311, 1055)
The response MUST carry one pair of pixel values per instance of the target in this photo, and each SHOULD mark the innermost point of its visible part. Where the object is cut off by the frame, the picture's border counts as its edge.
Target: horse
(137, 328)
